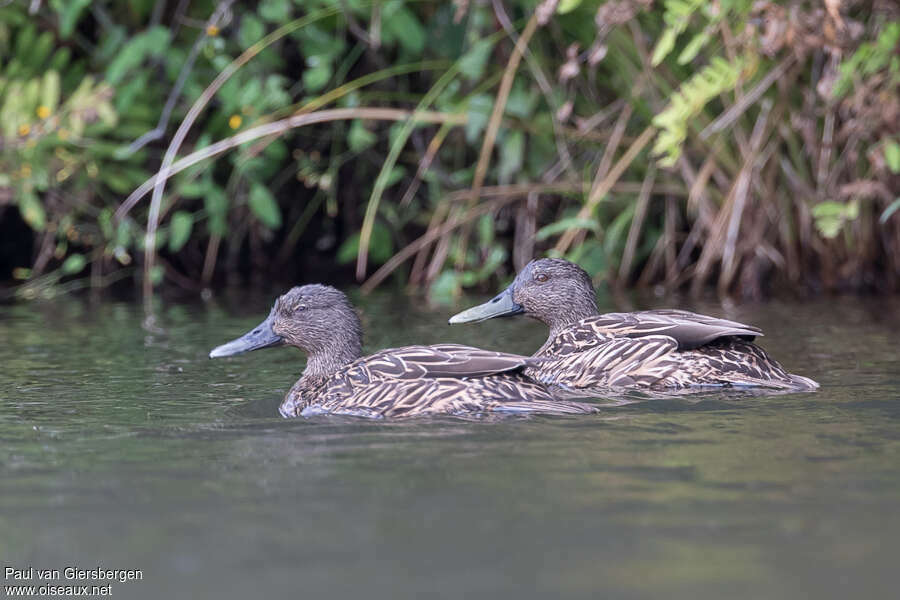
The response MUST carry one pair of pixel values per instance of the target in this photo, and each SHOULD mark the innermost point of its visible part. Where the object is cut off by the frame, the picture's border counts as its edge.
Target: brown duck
(654, 349)
(398, 382)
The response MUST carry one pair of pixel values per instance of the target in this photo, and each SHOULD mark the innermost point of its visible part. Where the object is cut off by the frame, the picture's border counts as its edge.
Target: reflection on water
(132, 450)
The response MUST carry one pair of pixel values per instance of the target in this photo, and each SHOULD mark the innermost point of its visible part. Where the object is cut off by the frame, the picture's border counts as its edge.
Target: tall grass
(750, 147)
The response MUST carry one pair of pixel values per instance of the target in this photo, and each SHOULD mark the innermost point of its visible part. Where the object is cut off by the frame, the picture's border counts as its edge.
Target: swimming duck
(654, 349)
(398, 382)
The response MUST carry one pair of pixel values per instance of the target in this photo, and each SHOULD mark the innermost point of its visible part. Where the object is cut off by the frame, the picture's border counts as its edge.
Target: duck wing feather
(690, 330)
(616, 362)
(443, 360)
(398, 397)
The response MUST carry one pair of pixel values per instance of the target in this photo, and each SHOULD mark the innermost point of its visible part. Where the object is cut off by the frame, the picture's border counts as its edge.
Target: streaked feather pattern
(659, 349)
(399, 382)
(656, 349)
(425, 380)
(689, 330)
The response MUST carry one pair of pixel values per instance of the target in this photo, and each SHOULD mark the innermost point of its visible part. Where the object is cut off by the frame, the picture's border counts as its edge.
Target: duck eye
(541, 277)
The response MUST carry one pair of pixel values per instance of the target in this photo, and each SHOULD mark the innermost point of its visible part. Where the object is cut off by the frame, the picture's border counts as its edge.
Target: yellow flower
(212, 30)
(24, 129)
(43, 111)
(26, 170)
(235, 121)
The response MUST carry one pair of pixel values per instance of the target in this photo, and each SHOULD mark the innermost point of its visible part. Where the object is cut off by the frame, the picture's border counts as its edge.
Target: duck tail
(801, 383)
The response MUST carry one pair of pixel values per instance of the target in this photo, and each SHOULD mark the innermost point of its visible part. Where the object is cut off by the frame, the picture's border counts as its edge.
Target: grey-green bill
(502, 305)
(262, 336)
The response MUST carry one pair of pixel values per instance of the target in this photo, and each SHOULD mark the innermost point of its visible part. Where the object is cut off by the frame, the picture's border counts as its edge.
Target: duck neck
(578, 308)
(325, 360)
(324, 364)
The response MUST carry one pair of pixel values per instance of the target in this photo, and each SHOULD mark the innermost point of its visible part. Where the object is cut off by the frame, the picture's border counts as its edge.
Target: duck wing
(443, 360)
(689, 330)
(397, 398)
(612, 362)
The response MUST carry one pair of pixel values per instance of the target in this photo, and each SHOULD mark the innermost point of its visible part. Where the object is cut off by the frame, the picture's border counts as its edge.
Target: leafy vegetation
(750, 145)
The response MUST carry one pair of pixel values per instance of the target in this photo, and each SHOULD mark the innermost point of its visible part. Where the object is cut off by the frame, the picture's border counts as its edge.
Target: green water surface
(126, 449)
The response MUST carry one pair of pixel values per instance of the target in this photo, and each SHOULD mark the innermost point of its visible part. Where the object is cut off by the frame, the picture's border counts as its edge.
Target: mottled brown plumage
(398, 382)
(653, 349)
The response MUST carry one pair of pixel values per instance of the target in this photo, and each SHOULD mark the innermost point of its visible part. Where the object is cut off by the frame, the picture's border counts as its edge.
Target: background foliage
(748, 144)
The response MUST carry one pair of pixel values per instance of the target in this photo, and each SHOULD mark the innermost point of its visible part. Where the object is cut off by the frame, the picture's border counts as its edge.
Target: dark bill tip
(262, 336)
(502, 305)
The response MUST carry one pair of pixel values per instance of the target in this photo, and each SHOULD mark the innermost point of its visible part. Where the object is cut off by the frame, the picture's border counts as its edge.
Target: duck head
(318, 319)
(552, 290)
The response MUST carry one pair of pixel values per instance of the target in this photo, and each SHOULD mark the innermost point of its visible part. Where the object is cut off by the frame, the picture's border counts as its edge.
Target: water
(130, 450)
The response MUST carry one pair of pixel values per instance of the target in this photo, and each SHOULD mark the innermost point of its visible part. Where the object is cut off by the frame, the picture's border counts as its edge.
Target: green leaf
(276, 11)
(252, 30)
(567, 6)
(828, 210)
(180, 230)
(276, 91)
(69, 11)
(60, 59)
(486, 230)
(478, 114)
(693, 48)
(73, 264)
(869, 58)
(829, 227)
(396, 174)
(156, 274)
(250, 93)
(315, 77)
(892, 155)
(716, 78)
(473, 62)
(512, 151)
(320, 43)
(493, 261)
(663, 46)
(152, 42)
(401, 25)
(445, 289)
(32, 211)
(263, 205)
(521, 102)
(104, 220)
(831, 216)
(564, 225)
(132, 90)
(590, 256)
(40, 52)
(381, 246)
(192, 188)
(359, 138)
(24, 41)
(614, 236)
(216, 204)
(50, 90)
(123, 235)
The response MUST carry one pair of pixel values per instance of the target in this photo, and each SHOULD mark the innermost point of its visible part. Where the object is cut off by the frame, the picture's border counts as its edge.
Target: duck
(664, 349)
(441, 379)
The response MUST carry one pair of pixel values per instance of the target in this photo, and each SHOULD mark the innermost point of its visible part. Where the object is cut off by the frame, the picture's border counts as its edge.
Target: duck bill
(262, 336)
(502, 305)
